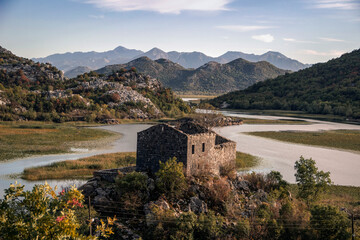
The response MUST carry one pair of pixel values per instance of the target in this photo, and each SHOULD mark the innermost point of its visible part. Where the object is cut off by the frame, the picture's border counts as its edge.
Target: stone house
(201, 150)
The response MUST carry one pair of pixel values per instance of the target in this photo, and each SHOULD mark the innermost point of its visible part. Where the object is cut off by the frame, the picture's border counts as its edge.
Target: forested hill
(38, 91)
(326, 88)
(210, 78)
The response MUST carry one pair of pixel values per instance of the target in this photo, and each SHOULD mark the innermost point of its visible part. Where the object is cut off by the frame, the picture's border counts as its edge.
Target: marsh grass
(24, 139)
(245, 161)
(343, 139)
(81, 168)
(268, 121)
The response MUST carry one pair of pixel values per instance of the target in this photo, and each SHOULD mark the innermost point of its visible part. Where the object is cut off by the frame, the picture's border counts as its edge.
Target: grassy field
(299, 114)
(267, 121)
(84, 167)
(23, 139)
(245, 161)
(342, 197)
(343, 139)
(81, 168)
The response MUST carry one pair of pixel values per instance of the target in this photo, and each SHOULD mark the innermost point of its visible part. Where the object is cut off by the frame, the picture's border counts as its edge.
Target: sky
(310, 31)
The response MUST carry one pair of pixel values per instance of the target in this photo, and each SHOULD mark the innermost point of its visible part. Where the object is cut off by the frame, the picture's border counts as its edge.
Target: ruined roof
(193, 128)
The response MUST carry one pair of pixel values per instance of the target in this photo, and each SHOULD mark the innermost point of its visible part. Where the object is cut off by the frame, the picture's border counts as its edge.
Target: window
(193, 149)
(203, 147)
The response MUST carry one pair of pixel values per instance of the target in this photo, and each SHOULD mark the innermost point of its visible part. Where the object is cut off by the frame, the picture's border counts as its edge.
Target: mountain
(39, 91)
(212, 77)
(120, 55)
(77, 71)
(325, 88)
(277, 59)
(93, 60)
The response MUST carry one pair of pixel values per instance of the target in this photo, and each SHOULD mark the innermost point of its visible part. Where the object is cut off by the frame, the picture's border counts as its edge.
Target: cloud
(296, 41)
(243, 28)
(264, 38)
(335, 53)
(161, 6)
(289, 40)
(336, 4)
(331, 39)
(97, 16)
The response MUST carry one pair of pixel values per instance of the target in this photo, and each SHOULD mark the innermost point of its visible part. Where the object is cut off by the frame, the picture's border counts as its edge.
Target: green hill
(211, 78)
(38, 91)
(325, 88)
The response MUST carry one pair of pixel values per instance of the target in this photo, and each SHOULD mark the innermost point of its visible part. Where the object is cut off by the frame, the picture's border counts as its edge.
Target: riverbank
(25, 139)
(340, 139)
(83, 168)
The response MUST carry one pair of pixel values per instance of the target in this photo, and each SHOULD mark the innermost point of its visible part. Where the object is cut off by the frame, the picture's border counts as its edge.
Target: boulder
(197, 206)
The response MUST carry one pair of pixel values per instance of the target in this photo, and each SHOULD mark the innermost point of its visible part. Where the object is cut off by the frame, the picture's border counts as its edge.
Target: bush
(327, 223)
(171, 179)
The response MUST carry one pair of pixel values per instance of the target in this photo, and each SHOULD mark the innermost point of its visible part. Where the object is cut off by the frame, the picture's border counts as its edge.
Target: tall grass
(81, 168)
(36, 138)
(344, 139)
(245, 161)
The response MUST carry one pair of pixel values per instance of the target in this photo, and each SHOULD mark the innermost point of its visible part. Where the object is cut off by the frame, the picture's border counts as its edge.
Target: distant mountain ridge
(211, 77)
(120, 55)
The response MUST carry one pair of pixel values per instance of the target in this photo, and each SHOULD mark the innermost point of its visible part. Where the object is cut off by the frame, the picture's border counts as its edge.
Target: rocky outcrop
(203, 195)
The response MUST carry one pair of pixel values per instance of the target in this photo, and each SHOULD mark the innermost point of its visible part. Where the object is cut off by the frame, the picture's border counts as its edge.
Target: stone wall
(200, 162)
(159, 143)
(201, 153)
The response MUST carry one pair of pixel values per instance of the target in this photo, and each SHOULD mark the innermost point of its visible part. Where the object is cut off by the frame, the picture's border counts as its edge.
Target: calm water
(343, 165)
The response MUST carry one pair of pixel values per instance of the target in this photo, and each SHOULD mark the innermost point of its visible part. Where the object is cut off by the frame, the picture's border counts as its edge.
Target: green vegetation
(311, 182)
(81, 168)
(43, 214)
(246, 161)
(251, 206)
(326, 222)
(343, 139)
(325, 88)
(35, 138)
(268, 121)
(170, 178)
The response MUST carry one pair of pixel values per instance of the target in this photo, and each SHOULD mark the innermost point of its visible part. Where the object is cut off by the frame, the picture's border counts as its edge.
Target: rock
(87, 189)
(261, 195)
(100, 201)
(242, 185)
(150, 184)
(197, 205)
(100, 192)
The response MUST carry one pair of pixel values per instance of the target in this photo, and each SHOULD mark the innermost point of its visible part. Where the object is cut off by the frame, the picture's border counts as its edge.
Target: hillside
(327, 88)
(34, 91)
(209, 78)
(121, 55)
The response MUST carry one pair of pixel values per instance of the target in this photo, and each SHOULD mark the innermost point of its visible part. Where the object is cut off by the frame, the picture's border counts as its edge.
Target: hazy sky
(307, 30)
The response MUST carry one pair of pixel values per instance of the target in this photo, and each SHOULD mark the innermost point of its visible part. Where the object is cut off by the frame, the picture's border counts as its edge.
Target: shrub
(171, 179)
(310, 181)
(326, 222)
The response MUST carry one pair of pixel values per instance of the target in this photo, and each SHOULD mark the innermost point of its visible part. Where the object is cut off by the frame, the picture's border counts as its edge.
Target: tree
(310, 181)
(171, 179)
(42, 214)
(327, 223)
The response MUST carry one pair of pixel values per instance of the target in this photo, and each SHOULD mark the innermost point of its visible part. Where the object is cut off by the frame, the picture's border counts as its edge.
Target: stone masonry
(201, 150)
